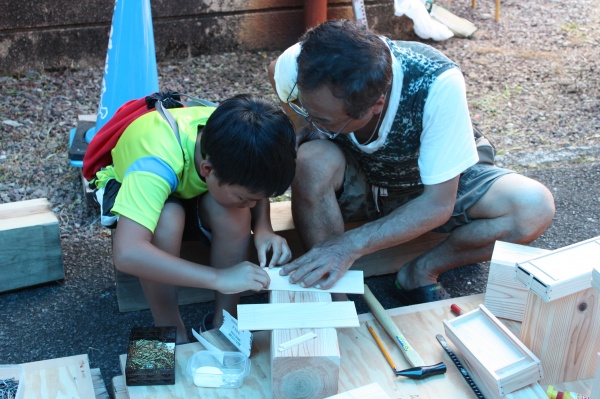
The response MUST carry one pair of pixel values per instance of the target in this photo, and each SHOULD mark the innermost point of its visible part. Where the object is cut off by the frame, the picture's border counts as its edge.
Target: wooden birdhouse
(561, 324)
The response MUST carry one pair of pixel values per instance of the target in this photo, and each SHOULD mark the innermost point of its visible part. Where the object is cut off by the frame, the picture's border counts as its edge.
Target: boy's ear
(205, 168)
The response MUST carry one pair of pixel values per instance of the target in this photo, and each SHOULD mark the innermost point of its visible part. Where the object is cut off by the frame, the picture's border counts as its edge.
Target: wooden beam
(30, 253)
(352, 282)
(505, 297)
(130, 296)
(309, 370)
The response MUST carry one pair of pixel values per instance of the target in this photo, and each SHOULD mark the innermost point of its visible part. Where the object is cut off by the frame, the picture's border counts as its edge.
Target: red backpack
(98, 154)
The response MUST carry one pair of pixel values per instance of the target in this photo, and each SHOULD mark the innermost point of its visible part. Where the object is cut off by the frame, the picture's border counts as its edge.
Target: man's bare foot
(410, 277)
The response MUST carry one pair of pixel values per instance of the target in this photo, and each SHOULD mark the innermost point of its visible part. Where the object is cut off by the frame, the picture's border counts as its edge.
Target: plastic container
(212, 369)
(17, 372)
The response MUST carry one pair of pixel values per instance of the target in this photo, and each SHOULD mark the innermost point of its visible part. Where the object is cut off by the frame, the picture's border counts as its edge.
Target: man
(397, 148)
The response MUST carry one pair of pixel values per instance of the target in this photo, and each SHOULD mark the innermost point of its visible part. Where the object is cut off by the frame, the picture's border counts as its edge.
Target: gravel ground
(533, 85)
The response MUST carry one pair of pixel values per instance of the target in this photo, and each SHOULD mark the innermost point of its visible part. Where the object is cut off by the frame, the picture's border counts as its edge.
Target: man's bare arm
(327, 261)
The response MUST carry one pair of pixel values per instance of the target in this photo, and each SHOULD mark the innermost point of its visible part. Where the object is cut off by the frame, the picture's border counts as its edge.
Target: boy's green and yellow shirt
(148, 161)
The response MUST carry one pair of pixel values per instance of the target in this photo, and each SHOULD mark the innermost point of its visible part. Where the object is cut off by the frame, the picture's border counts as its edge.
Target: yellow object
(554, 394)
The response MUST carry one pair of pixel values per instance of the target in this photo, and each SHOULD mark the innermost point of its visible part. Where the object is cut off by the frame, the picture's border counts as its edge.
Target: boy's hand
(266, 242)
(242, 277)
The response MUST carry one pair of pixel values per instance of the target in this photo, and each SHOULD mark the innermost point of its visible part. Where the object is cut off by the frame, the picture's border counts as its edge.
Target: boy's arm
(134, 253)
(265, 238)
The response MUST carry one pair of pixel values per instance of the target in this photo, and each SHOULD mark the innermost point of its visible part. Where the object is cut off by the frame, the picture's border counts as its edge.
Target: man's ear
(379, 104)
(205, 168)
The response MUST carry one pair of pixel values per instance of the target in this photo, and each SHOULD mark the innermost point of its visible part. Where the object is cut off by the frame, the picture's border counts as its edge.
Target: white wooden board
(352, 282)
(276, 316)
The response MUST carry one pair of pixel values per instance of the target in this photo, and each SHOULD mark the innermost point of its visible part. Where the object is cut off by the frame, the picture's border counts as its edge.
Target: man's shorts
(356, 198)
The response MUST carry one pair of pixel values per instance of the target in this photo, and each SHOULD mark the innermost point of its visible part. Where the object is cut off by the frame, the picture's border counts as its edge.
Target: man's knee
(533, 208)
(320, 165)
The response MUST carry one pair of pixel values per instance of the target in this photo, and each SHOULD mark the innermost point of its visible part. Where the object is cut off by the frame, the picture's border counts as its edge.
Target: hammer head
(422, 372)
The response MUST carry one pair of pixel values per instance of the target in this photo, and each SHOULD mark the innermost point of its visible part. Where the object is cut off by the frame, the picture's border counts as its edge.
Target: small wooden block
(352, 282)
(495, 357)
(561, 272)
(564, 334)
(505, 297)
(30, 253)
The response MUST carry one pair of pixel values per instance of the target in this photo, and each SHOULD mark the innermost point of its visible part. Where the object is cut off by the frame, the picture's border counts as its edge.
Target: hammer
(419, 371)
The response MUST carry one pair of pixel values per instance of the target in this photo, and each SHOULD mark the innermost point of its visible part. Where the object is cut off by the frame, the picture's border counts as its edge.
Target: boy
(228, 162)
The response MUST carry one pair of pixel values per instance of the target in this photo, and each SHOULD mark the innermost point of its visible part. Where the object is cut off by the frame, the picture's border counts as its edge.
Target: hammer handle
(390, 327)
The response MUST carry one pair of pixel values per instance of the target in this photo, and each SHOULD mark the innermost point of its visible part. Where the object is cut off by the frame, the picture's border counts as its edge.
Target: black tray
(159, 376)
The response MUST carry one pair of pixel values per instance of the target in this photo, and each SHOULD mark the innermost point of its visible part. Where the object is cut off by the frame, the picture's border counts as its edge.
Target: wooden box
(30, 253)
(564, 334)
(496, 359)
(505, 297)
(561, 272)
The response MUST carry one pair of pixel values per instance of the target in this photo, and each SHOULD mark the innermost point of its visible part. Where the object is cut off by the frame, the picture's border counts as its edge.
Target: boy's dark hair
(354, 62)
(251, 142)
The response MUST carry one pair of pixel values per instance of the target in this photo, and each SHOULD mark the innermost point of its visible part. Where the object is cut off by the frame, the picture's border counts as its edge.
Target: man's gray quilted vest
(395, 165)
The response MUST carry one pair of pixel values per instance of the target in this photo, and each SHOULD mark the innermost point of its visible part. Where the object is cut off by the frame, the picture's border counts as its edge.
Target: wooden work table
(361, 360)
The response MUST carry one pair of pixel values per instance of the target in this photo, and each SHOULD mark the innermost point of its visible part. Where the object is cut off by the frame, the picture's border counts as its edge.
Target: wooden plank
(564, 334)
(276, 316)
(309, 370)
(505, 297)
(561, 272)
(30, 253)
(66, 377)
(497, 358)
(352, 282)
(361, 362)
(371, 391)
(19, 209)
(130, 296)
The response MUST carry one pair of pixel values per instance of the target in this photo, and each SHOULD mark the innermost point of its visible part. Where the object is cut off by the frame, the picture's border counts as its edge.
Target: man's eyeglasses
(302, 112)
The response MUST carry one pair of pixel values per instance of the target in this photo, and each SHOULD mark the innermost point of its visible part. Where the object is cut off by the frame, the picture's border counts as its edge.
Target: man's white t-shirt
(447, 145)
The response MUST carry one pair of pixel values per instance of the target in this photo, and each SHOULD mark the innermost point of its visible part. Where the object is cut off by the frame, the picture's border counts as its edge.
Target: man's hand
(242, 277)
(320, 267)
(268, 241)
